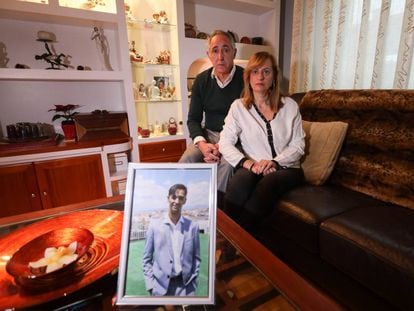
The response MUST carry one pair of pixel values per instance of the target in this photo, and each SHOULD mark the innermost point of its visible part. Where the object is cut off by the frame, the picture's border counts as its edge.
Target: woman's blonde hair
(274, 93)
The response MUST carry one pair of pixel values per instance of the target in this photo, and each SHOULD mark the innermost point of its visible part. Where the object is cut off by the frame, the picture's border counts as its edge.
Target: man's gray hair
(223, 33)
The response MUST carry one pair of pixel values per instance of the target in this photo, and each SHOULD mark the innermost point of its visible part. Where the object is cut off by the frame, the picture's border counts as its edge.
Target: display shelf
(118, 176)
(53, 13)
(154, 101)
(59, 75)
(260, 19)
(28, 94)
(156, 79)
(145, 25)
(115, 159)
(161, 137)
(246, 6)
(108, 6)
(144, 65)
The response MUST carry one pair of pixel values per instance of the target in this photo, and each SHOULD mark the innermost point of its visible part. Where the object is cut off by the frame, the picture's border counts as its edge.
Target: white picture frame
(147, 199)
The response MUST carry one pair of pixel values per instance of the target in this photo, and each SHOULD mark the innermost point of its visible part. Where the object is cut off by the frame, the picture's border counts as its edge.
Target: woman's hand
(263, 167)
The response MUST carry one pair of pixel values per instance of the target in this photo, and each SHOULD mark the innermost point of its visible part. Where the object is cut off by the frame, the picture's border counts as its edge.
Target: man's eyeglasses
(179, 197)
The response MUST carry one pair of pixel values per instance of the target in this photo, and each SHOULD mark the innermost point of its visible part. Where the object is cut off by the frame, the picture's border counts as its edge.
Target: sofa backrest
(377, 157)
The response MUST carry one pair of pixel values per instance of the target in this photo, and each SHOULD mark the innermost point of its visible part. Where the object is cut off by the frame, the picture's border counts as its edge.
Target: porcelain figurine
(172, 126)
(102, 45)
(51, 57)
(154, 90)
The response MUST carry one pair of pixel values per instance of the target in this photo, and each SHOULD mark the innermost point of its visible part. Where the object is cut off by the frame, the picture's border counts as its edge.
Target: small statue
(170, 91)
(164, 57)
(3, 56)
(154, 90)
(90, 4)
(172, 126)
(133, 55)
(128, 13)
(51, 57)
(163, 18)
(102, 45)
(159, 18)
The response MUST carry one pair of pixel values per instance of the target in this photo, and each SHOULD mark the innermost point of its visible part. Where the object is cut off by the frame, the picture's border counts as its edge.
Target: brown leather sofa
(353, 236)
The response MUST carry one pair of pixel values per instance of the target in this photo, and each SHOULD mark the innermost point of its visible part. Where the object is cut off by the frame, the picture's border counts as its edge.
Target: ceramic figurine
(164, 57)
(51, 57)
(102, 45)
(133, 55)
(3, 56)
(160, 18)
(163, 18)
(154, 90)
(90, 4)
(170, 91)
(172, 126)
(128, 13)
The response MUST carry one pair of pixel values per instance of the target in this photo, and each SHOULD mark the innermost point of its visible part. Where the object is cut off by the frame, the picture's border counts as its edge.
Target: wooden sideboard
(33, 179)
(163, 151)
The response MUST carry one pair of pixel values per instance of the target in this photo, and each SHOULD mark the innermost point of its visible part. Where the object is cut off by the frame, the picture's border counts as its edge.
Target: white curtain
(352, 44)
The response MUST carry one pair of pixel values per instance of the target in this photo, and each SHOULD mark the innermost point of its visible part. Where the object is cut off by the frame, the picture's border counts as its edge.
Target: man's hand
(210, 151)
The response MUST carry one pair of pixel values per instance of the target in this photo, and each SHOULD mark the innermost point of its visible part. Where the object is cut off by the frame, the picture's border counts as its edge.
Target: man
(171, 259)
(213, 92)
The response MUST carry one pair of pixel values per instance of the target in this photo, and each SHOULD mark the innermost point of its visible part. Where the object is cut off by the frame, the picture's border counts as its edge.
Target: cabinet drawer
(165, 151)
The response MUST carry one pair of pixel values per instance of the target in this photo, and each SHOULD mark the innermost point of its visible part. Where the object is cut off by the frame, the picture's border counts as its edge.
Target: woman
(269, 128)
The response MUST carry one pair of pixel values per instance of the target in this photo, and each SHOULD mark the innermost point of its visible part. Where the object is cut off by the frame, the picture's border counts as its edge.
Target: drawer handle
(33, 195)
(163, 149)
(44, 193)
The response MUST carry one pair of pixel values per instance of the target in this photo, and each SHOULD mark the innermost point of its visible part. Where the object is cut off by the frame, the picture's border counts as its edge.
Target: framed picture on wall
(169, 235)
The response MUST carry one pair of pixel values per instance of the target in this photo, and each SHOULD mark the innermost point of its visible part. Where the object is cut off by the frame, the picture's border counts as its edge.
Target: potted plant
(66, 112)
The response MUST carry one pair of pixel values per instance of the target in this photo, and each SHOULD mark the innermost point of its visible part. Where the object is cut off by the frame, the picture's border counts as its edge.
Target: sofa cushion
(299, 212)
(323, 144)
(375, 245)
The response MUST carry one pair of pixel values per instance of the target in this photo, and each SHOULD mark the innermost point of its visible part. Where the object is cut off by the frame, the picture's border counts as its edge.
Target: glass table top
(248, 276)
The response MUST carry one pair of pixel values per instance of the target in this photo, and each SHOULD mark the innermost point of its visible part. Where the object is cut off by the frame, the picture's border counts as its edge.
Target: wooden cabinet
(165, 151)
(19, 192)
(70, 180)
(41, 185)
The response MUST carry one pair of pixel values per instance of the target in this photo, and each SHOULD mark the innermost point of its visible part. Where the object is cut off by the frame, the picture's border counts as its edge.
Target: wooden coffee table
(248, 275)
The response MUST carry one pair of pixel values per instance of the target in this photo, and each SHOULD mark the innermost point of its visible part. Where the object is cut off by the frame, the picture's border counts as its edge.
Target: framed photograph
(161, 82)
(169, 235)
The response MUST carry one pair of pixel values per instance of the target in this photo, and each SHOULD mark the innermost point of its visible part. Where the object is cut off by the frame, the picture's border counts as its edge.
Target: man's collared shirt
(177, 241)
(227, 81)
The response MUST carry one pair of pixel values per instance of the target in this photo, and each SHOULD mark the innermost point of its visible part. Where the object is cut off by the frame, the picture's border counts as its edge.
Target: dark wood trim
(8, 150)
(295, 288)
(116, 201)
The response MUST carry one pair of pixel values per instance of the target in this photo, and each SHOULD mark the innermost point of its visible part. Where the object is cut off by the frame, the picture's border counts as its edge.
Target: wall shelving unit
(28, 94)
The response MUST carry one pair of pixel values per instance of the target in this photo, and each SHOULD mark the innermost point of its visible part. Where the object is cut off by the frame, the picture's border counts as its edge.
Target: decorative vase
(69, 129)
(172, 126)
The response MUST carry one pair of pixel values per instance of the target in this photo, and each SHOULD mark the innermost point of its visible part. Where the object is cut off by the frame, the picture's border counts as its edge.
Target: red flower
(64, 111)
